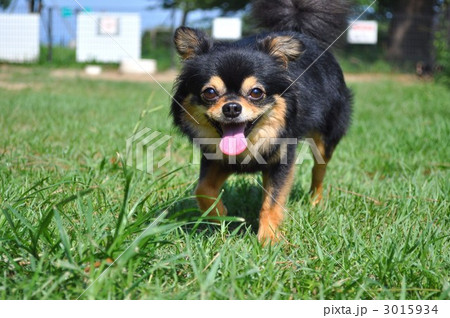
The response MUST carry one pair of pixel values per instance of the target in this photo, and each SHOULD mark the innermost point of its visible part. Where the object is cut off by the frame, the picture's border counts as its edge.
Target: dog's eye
(256, 94)
(209, 94)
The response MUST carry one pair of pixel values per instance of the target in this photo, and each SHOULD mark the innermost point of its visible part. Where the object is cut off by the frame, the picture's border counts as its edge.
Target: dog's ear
(190, 42)
(283, 48)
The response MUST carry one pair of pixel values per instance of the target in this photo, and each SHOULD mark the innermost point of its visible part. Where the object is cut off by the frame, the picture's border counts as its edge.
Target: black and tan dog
(259, 91)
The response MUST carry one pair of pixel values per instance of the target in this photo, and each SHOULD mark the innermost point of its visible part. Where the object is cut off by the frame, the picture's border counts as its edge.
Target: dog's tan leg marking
(274, 199)
(209, 186)
(318, 171)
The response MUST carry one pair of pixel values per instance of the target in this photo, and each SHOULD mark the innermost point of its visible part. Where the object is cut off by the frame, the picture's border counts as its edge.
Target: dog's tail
(324, 20)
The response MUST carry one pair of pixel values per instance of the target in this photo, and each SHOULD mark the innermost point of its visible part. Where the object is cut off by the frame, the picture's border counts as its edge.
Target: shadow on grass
(242, 198)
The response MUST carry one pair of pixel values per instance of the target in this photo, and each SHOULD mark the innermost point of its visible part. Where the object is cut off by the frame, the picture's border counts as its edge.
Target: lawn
(73, 214)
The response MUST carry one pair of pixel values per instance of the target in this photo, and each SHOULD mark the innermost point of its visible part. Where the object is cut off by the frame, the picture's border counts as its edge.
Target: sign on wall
(108, 26)
(108, 37)
(363, 32)
(227, 28)
(19, 37)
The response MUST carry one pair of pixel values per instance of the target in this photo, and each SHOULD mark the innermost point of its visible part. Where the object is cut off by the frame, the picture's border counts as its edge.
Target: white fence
(19, 37)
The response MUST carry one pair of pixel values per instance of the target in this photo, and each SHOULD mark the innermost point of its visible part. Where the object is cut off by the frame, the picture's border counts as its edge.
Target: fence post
(50, 35)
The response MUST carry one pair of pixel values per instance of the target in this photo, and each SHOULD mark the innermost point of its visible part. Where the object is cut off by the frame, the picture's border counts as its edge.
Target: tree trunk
(31, 6)
(447, 19)
(184, 17)
(411, 31)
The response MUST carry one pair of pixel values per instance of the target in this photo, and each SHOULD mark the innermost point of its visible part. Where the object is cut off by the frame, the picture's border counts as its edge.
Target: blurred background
(75, 86)
(409, 36)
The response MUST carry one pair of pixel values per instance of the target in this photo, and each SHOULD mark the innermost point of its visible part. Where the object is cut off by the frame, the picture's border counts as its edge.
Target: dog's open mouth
(233, 135)
(233, 139)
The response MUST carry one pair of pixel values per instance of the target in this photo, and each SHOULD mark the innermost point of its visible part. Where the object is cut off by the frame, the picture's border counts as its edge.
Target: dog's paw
(316, 198)
(268, 234)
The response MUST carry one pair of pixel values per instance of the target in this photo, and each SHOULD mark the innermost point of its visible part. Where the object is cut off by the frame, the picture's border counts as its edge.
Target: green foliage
(4, 4)
(61, 56)
(442, 59)
(69, 204)
(442, 48)
(389, 5)
(189, 5)
(157, 44)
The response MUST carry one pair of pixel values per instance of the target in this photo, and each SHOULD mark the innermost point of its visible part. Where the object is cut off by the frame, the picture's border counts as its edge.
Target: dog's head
(232, 92)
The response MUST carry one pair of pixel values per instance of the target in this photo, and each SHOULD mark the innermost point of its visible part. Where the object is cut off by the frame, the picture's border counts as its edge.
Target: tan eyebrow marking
(249, 83)
(216, 83)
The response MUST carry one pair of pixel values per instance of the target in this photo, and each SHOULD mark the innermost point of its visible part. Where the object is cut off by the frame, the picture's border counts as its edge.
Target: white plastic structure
(108, 37)
(19, 37)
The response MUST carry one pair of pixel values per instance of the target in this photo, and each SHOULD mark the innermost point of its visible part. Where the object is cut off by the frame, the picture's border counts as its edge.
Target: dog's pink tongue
(233, 141)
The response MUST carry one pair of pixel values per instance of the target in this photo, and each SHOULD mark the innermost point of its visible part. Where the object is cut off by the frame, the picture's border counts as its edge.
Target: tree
(4, 3)
(187, 6)
(411, 29)
(34, 6)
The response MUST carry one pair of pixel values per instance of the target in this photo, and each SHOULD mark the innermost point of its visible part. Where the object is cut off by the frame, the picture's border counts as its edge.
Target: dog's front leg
(277, 183)
(212, 177)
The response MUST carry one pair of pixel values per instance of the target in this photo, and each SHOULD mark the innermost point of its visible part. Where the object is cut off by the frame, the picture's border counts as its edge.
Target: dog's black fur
(289, 63)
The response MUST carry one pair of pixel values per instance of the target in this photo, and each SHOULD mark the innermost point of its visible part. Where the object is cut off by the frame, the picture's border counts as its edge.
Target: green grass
(61, 57)
(368, 59)
(354, 59)
(66, 57)
(68, 204)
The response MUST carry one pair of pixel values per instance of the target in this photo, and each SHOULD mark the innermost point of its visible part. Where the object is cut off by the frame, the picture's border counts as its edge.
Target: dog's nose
(231, 110)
